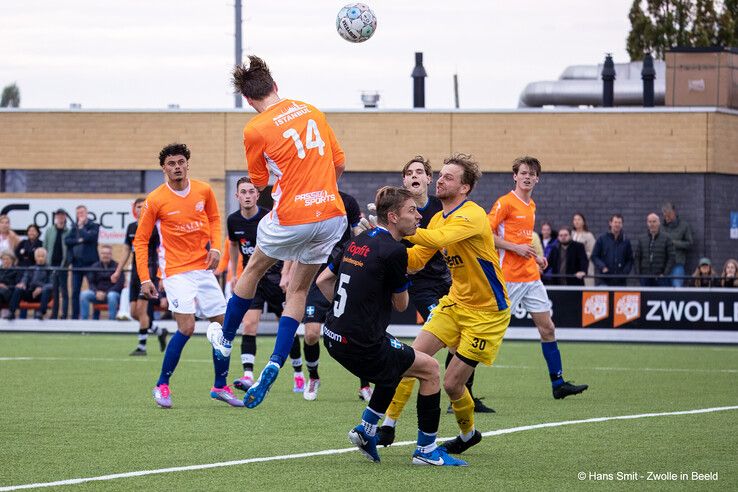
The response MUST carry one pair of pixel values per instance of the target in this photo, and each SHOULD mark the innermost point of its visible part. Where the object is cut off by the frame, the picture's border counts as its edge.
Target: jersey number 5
(339, 305)
(312, 139)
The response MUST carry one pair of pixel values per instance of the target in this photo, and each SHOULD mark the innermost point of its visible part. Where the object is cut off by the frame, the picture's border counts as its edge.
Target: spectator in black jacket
(57, 257)
(567, 258)
(613, 254)
(654, 254)
(102, 288)
(24, 250)
(81, 244)
(35, 286)
(9, 276)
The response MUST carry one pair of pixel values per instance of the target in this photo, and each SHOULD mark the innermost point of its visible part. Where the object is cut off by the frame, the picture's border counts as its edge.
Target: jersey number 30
(312, 139)
(339, 305)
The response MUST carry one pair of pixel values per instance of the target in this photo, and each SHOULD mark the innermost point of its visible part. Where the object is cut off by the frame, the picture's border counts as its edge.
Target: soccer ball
(356, 22)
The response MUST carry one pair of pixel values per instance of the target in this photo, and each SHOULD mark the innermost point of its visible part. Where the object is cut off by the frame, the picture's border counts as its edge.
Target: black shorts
(268, 291)
(425, 293)
(384, 364)
(316, 306)
(134, 292)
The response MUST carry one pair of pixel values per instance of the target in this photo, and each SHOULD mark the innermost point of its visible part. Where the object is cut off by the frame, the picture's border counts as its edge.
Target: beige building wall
(591, 141)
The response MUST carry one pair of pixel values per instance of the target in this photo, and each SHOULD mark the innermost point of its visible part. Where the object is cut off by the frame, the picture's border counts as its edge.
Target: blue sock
(426, 439)
(553, 359)
(221, 370)
(171, 356)
(370, 419)
(237, 307)
(285, 337)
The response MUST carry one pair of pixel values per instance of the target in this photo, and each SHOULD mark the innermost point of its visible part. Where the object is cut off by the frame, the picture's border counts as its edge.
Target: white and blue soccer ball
(356, 22)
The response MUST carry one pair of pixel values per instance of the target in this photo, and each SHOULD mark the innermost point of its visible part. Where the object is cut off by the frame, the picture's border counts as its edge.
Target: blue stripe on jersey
(489, 271)
(403, 288)
(455, 209)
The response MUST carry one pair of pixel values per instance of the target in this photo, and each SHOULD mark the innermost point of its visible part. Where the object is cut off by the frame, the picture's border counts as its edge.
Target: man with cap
(54, 241)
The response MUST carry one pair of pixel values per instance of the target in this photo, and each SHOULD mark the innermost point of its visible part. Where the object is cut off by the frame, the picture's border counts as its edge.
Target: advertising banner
(113, 214)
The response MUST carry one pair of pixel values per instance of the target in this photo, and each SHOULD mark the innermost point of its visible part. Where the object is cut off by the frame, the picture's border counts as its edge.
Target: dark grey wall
(703, 200)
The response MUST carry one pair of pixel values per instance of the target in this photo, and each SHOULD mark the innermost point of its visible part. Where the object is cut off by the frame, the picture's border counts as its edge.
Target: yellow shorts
(475, 334)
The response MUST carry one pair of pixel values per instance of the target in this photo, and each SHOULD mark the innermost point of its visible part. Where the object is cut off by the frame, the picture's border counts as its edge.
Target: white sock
(467, 436)
(389, 422)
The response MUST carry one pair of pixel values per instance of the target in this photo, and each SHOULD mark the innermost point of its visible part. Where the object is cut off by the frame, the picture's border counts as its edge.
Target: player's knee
(547, 331)
(249, 328)
(312, 334)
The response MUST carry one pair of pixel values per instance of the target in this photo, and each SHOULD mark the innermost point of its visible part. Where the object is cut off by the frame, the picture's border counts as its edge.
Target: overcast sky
(151, 53)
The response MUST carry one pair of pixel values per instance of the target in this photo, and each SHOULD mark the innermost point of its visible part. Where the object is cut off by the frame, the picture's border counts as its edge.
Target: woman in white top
(580, 233)
(8, 239)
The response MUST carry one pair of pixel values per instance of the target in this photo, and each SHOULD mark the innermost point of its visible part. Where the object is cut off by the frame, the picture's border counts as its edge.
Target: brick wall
(703, 200)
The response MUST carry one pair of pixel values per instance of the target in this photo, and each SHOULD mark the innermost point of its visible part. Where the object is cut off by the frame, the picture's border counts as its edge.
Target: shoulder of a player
(469, 211)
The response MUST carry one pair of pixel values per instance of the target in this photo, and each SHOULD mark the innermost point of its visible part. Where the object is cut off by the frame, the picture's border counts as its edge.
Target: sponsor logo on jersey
(453, 261)
(315, 198)
(334, 336)
(289, 114)
(395, 343)
(200, 206)
(355, 250)
(310, 310)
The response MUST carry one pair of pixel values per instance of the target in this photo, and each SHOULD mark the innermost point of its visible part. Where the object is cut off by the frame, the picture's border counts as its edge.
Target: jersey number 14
(312, 139)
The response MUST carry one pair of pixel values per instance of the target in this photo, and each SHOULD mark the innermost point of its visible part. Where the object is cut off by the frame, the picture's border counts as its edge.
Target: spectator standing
(548, 243)
(57, 258)
(102, 288)
(704, 275)
(613, 254)
(580, 233)
(81, 244)
(35, 286)
(24, 250)
(654, 254)
(681, 236)
(8, 238)
(729, 277)
(568, 258)
(9, 276)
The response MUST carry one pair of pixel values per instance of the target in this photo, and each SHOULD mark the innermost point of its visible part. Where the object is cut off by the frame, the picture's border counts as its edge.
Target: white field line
(326, 452)
(497, 366)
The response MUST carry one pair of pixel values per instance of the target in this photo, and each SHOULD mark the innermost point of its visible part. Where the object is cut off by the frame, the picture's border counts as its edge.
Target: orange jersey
(186, 225)
(513, 220)
(293, 141)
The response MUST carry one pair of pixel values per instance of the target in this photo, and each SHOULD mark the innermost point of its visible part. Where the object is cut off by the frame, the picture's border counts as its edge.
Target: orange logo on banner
(627, 307)
(594, 307)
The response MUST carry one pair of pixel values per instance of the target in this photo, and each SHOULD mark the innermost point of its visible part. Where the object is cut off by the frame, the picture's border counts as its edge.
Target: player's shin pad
(464, 412)
(402, 395)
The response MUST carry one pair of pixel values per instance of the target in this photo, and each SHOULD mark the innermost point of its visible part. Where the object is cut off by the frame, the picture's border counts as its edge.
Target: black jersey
(242, 231)
(436, 269)
(372, 268)
(153, 246)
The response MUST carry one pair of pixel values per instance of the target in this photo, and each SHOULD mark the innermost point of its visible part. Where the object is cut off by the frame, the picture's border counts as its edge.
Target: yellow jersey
(465, 239)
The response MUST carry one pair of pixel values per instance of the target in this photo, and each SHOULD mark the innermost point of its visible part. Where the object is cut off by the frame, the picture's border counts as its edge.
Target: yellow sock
(402, 395)
(464, 411)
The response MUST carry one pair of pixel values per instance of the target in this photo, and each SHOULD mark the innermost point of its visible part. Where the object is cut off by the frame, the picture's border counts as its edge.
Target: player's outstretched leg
(402, 395)
(220, 390)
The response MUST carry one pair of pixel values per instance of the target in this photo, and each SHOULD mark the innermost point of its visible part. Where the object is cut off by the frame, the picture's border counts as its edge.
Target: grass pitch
(77, 406)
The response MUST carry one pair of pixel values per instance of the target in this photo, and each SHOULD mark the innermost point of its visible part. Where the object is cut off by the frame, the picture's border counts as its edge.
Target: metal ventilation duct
(581, 85)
